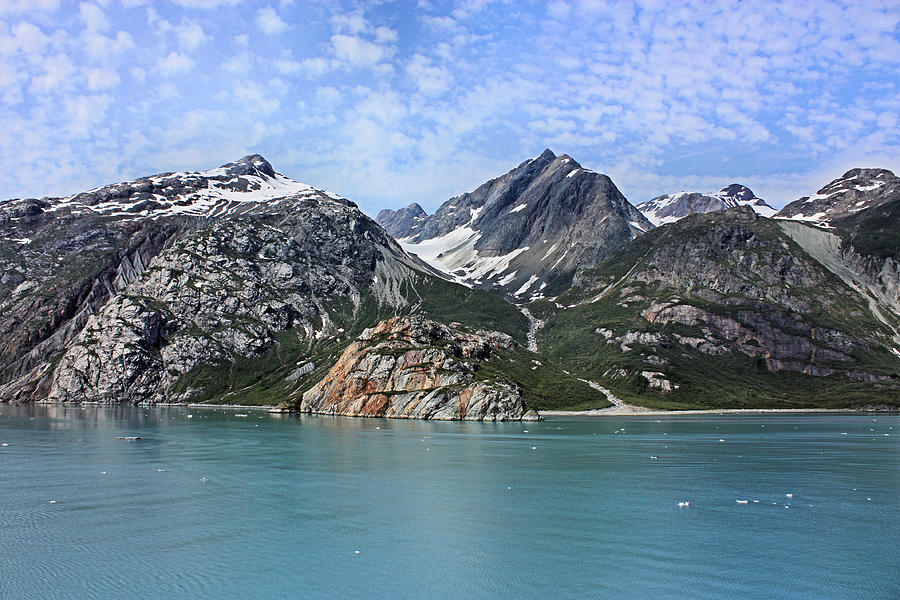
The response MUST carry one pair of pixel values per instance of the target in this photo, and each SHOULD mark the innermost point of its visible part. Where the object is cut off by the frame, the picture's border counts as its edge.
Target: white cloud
(356, 51)
(385, 35)
(239, 64)
(352, 23)
(85, 113)
(269, 22)
(12, 7)
(174, 63)
(429, 79)
(101, 79)
(103, 47)
(190, 35)
(93, 17)
(58, 76)
(205, 4)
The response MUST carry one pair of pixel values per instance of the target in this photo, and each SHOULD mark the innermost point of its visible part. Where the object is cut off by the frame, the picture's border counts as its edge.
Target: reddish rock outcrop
(410, 367)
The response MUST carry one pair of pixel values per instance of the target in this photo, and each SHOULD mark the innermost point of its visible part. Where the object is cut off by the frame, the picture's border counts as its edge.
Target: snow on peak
(669, 208)
(234, 188)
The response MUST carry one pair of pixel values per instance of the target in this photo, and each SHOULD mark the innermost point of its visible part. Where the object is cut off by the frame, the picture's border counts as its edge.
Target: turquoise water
(267, 506)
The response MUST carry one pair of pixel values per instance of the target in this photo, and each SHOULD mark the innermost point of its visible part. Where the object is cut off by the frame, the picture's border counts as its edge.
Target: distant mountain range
(669, 208)
(542, 288)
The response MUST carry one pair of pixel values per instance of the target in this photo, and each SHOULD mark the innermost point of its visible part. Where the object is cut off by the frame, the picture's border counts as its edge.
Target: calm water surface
(209, 504)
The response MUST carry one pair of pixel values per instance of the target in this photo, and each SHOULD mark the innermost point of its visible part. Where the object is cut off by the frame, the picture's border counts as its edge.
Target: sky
(388, 103)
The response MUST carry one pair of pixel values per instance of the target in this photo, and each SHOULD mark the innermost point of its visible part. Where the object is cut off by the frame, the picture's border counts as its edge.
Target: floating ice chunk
(789, 495)
(743, 501)
(684, 503)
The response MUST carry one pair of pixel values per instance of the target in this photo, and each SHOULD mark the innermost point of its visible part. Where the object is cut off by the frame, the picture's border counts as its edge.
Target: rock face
(855, 191)
(526, 233)
(239, 264)
(668, 208)
(728, 306)
(404, 222)
(412, 367)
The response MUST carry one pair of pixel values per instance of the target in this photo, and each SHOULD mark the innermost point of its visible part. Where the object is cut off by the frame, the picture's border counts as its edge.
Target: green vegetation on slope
(633, 281)
(873, 232)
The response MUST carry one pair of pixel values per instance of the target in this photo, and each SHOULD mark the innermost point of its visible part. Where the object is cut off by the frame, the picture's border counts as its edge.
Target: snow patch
(525, 287)
(517, 208)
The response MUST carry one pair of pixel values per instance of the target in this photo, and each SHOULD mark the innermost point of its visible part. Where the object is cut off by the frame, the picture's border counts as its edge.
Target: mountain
(668, 208)
(527, 233)
(233, 285)
(728, 309)
(404, 222)
(855, 191)
(240, 285)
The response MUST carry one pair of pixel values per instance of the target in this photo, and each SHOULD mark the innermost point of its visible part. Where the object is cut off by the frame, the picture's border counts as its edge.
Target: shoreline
(635, 411)
(623, 410)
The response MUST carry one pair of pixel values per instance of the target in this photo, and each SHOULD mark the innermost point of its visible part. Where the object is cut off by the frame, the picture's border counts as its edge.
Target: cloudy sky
(393, 102)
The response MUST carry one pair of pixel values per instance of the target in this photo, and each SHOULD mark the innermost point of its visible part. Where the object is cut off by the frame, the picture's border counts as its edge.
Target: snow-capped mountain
(235, 188)
(129, 292)
(854, 191)
(668, 208)
(529, 231)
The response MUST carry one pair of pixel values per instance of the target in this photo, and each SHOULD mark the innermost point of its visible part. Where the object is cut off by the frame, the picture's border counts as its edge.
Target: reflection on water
(208, 503)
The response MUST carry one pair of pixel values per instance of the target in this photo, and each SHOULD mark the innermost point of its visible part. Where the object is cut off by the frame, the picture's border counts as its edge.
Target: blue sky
(389, 103)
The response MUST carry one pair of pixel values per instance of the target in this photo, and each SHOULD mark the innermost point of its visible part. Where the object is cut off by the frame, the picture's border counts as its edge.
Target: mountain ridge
(668, 208)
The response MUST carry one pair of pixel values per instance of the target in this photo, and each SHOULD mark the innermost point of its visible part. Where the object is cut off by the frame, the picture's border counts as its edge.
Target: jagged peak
(738, 190)
(255, 161)
(868, 172)
(547, 154)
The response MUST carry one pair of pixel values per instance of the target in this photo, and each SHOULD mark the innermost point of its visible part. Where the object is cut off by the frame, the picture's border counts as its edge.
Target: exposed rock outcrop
(412, 367)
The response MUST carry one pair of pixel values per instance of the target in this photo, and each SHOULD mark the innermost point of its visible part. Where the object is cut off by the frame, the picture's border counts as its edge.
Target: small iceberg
(683, 504)
(743, 501)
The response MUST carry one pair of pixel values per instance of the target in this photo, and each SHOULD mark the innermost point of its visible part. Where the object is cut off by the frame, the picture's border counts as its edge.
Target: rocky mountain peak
(738, 192)
(252, 164)
(856, 190)
(546, 156)
(533, 226)
(404, 222)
